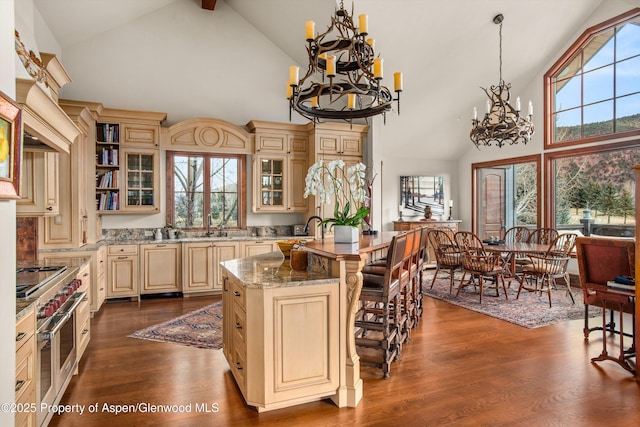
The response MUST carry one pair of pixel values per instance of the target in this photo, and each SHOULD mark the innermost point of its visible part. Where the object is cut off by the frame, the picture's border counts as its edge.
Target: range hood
(48, 127)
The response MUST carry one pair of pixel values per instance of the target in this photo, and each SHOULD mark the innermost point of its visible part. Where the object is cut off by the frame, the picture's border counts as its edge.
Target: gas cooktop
(30, 279)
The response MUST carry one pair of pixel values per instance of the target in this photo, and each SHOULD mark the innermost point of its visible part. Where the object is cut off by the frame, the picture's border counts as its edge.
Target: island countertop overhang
(272, 270)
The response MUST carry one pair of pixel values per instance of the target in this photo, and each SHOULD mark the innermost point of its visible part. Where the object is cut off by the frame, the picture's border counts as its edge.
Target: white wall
(533, 91)
(189, 63)
(7, 233)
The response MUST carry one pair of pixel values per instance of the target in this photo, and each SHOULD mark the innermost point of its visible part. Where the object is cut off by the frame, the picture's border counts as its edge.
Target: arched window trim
(586, 36)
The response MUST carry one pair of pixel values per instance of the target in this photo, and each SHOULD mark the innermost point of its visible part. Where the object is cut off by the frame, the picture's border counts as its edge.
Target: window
(202, 186)
(594, 98)
(594, 89)
(594, 184)
(506, 194)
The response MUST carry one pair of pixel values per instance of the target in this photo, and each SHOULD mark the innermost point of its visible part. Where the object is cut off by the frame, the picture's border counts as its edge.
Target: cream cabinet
(256, 247)
(197, 267)
(127, 158)
(99, 287)
(74, 226)
(279, 167)
(141, 180)
(122, 271)
(282, 344)
(161, 268)
(338, 142)
(25, 389)
(223, 251)
(328, 142)
(82, 317)
(39, 184)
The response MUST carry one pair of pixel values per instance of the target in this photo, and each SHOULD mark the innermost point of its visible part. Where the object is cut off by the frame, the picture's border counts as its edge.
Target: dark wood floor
(460, 368)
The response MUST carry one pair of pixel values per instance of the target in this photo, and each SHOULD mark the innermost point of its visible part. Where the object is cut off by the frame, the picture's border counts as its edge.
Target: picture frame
(10, 147)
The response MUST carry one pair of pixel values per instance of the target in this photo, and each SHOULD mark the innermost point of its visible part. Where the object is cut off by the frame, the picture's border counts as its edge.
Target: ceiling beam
(209, 4)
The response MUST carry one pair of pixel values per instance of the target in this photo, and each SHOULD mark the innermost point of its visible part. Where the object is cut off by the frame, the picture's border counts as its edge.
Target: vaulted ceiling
(446, 49)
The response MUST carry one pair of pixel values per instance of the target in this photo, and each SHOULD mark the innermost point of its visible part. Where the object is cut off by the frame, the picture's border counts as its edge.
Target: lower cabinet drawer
(238, 293)
(239, 327)
(239, 369)
(25, 370)
(83, 332)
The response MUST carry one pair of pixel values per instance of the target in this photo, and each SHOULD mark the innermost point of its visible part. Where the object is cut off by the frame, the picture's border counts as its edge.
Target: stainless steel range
(54, 290)
(30, 279)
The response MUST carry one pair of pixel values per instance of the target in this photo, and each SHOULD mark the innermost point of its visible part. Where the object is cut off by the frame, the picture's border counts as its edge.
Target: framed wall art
(10, 147)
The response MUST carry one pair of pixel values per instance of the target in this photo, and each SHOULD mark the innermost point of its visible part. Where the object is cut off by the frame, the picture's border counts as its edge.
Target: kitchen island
(280, 331)
(289, 335)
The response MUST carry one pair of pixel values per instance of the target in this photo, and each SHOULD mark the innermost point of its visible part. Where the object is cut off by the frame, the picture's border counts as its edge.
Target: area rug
(531, 310)
(201, 328)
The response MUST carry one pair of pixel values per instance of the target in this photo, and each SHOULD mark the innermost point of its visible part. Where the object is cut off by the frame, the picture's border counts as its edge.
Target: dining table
(513, 249)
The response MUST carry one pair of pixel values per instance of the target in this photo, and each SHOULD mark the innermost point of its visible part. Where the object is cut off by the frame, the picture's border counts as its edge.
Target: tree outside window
(205, 188)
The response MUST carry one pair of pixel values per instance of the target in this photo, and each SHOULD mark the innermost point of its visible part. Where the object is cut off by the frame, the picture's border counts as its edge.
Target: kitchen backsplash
(137, 234)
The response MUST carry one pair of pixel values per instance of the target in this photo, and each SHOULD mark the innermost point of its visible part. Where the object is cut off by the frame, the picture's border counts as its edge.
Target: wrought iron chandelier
(502, 123)
(343, 80)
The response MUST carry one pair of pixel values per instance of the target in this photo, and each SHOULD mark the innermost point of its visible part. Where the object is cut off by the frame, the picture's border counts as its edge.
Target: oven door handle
(78, 297)
(58, 323)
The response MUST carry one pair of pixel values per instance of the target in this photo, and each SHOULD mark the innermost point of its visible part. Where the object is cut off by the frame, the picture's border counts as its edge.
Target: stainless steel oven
(56, 347)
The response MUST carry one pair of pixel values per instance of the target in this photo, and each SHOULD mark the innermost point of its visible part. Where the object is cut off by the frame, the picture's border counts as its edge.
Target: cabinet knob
(20, 336)
(236, 293)
(238, 325)
(238, 366)
(49, 208)
(85, 331)
(21, 383)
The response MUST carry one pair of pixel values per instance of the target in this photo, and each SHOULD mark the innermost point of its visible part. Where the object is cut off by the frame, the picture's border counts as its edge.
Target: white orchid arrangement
(347, 186)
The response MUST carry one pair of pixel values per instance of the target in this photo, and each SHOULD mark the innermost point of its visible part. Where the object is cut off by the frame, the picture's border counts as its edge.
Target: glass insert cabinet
(140, 179)
(272, 186)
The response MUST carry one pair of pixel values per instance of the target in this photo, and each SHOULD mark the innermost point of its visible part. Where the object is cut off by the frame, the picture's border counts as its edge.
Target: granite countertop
(206, 239)
(272, 270)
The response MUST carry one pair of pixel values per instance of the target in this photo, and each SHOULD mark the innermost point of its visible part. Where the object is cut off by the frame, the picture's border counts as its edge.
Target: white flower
(345, 185)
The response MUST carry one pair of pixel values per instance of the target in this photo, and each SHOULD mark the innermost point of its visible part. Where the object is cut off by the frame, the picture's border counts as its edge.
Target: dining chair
(448, 256)
(542, 271)
(420, 261)
(479, 264)
(516, 234)
(601, 260)
(379, 320)
(408, 274)
(543, 236)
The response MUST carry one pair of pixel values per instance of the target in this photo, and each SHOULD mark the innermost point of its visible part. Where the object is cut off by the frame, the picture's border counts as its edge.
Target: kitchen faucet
(306, 227)
(208, 233)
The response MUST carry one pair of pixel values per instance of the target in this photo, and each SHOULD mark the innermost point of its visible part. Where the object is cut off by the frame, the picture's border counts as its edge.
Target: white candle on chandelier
(310, 29)
(377, 68)
(450, 203)
(293, 75)
(371, 42)
(351, 101)
(331, 65)
(488, 107)
(475, 113)
(530, 108)
(289, 90)
(397, 81)
(363, 20)
(518, 104)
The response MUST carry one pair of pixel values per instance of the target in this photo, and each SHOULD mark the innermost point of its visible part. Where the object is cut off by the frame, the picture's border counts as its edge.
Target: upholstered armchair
(600, 260)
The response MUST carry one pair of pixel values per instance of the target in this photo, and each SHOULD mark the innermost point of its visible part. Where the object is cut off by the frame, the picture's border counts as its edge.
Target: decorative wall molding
(207, 135)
